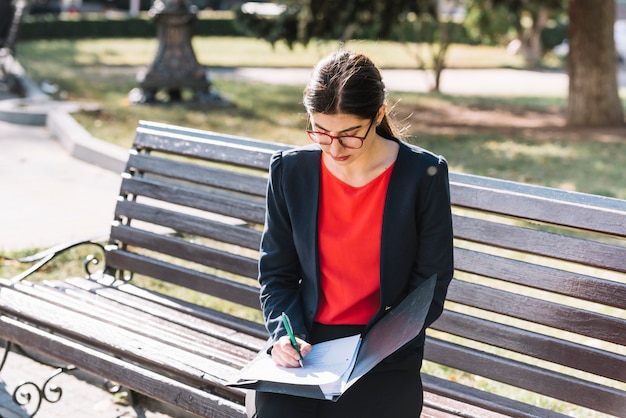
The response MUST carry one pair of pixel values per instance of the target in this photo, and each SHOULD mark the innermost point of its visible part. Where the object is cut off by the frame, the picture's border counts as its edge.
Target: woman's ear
(382, 111)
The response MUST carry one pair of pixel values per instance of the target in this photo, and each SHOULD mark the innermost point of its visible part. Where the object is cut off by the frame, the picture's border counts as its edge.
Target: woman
(354, 222)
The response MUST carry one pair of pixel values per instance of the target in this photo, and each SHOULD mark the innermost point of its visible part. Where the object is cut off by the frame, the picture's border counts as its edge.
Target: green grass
(104, 71)
(248, 52)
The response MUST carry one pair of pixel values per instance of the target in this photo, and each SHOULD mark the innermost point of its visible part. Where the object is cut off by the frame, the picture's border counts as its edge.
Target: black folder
(399, 326)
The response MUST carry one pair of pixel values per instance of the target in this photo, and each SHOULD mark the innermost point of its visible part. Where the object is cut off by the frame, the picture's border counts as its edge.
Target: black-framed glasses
(346, 141)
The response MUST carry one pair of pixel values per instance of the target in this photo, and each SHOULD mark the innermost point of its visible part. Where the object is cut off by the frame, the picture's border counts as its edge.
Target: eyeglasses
(346, 141)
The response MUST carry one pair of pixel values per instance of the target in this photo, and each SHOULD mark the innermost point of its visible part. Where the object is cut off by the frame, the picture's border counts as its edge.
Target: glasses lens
(351, 142)
(345, 141)
(320, 138)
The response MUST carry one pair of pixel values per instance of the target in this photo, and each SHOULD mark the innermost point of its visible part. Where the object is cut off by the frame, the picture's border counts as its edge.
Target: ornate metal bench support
(28, 393)
(7, 348)
(42, 258)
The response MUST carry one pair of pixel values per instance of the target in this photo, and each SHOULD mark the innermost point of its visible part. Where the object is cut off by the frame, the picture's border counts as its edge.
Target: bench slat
(576, 320)
(171, 132)
(128, 345)
(521, 375)
(541, 346)
(541, 243)
(202, 148)
(216, 286)
(136, 320)
(181, 222)
(176, 194)
(234, 329)
(491, 402)
(149, 383)
(210, 176)
(578, 210)
(576, 285)
(222, 260)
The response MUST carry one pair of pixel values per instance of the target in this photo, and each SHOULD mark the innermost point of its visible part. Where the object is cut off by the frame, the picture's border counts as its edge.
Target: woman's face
(330, 131)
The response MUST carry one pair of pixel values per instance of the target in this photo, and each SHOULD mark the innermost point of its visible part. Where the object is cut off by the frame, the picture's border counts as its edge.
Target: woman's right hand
(285, 355)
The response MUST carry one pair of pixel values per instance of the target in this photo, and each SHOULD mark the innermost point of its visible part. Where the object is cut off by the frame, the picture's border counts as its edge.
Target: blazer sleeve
(435, 237)
(279, 267)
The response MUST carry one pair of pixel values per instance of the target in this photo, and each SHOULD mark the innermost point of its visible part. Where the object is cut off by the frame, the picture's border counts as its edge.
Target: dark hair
(349, 83)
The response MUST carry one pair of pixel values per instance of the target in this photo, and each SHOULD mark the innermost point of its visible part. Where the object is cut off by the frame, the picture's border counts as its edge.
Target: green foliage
(553, 35)
(305, 20)
(491, 24)
(101, 27)
(273, 29)
(502, 20)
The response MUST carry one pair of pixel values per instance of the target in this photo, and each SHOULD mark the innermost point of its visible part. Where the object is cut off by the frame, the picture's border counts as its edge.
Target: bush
(101, 27)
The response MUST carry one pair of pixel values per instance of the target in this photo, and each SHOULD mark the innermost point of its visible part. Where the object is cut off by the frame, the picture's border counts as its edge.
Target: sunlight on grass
(272, 112)
(249, 52)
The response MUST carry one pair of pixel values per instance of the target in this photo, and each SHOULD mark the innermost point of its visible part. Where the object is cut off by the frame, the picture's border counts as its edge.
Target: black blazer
(416, 236)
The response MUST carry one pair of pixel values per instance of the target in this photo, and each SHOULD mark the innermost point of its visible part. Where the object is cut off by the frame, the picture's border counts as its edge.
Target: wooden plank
(186, 250)
(462, 398)
(147, 382)
(202, 338)
(145, 297)
(579, 286)
(437, 406)
(168, 130)
(216, 286)
(209, 149)
(535, 345)
(579, 210)
(532, 378)
(185, 223)
(129, 345)
(230, 328)
(562, 317)
(204, 175)
(547, 244)
(176, 194)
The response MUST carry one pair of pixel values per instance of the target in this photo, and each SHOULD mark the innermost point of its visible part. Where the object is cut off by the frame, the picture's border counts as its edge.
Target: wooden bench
(537, 305)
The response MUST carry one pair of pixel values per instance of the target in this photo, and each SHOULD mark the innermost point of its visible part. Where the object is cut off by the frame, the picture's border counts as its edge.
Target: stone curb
(37, 109)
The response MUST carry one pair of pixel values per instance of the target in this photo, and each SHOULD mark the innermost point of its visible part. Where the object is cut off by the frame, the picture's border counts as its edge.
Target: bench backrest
(539, 297)
(190, 213)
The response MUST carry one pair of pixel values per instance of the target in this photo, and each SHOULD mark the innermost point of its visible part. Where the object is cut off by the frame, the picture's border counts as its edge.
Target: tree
(528, 18)
(593, 98)
(303, 20)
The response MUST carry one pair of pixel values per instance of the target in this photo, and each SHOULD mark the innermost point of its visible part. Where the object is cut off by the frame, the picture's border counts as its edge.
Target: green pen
(292, 337)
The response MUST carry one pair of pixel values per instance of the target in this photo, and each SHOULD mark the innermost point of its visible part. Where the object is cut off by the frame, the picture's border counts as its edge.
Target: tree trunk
(592, 65)
(532, 51)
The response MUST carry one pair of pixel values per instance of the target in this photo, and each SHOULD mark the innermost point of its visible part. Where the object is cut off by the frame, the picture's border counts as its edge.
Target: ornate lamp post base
(175, 66)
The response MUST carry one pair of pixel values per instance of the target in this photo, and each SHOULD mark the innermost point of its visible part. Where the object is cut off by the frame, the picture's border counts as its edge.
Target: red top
(349, 233)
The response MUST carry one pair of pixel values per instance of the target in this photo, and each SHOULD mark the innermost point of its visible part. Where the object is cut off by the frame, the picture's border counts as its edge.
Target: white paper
(325, 366)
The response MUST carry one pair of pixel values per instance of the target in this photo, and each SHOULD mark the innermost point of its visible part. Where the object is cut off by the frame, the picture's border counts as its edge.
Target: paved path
(489, 82)
(47, 196)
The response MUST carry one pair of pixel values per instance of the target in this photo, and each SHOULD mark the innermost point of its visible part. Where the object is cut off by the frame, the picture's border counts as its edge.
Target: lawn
(478, 135)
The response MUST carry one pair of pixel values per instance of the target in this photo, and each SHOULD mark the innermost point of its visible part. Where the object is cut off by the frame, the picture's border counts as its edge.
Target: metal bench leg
(28, 392)
(7, 348)
(29, 395)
